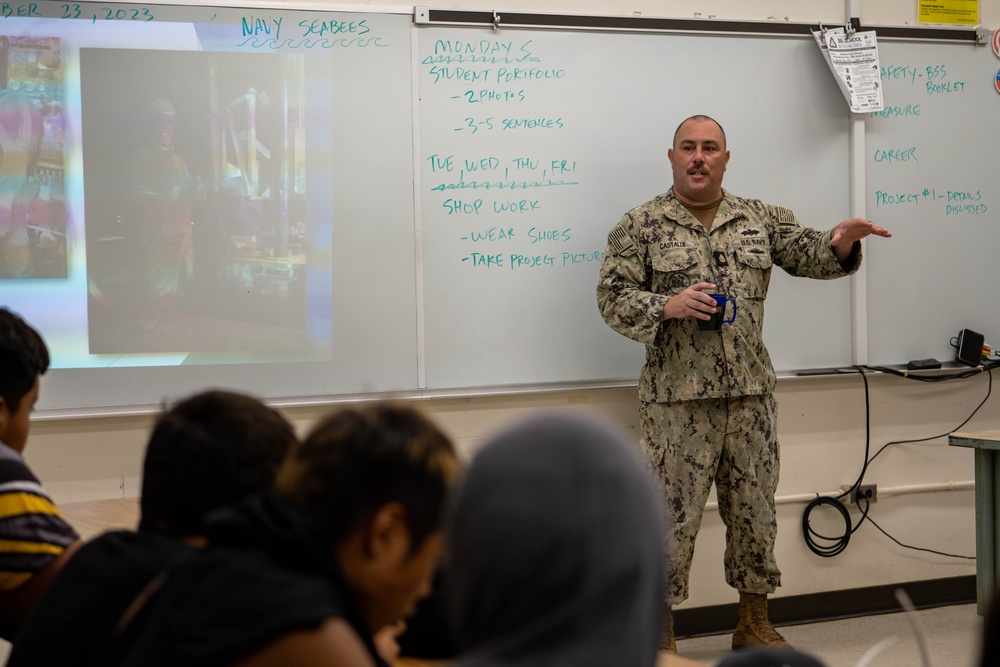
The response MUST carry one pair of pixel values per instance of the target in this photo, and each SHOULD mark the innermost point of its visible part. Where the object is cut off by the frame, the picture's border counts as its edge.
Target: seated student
(345, 545)
(209, 451)
(37, 540)
(555, 550)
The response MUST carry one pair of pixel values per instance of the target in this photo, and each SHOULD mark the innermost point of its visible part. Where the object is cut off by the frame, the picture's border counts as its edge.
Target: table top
(976, 439)
(90, 518)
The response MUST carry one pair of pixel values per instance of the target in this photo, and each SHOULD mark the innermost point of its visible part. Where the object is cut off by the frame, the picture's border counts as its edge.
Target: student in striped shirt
(35, 540)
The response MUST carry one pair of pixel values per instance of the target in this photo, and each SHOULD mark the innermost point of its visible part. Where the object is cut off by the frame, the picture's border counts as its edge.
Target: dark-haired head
(23, 357)
(209, 451)
(359, 459)
(374, 481)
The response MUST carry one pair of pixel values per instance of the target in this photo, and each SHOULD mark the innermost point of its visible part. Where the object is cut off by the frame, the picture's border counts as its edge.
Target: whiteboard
(534, 143)
(931, 182)
(370, 256)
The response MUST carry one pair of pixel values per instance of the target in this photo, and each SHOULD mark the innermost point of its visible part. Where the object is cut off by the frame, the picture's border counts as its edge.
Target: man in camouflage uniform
(160, 191)
(707, 408)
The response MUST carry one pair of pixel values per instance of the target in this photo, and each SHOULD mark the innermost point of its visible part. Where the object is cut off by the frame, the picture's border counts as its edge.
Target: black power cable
(937, 377)
(828, 546)
(835, 544)
(989, 391)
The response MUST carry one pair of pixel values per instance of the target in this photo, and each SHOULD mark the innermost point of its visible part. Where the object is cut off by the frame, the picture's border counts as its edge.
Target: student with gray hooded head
(555, 550)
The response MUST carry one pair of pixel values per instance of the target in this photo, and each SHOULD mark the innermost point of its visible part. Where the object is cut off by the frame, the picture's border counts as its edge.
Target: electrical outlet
(866, 491)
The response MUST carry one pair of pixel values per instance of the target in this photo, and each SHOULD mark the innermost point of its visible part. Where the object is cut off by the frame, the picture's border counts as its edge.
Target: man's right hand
(692, 302)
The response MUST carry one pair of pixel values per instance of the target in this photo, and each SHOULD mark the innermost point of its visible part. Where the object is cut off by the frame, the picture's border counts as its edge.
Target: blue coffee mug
(719, 317)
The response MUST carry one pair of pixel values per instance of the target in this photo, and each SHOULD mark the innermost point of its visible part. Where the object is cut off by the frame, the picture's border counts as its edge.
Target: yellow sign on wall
(965, 12)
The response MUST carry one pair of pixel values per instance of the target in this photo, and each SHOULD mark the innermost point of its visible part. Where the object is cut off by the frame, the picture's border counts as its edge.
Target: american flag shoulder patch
(783, 215)
(619, 241)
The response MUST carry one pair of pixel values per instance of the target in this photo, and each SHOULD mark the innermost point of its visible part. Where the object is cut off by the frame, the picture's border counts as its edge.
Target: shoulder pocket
(674, 260)
(753, 272)
(754, 257)
(674, 271)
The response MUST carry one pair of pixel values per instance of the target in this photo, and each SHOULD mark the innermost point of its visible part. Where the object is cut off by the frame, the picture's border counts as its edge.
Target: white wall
(821, 420)
(821, 425)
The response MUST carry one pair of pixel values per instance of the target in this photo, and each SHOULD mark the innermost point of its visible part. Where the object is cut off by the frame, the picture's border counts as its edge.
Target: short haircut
(209, 451)
(699, 117)
(360, 458)
(23, 357)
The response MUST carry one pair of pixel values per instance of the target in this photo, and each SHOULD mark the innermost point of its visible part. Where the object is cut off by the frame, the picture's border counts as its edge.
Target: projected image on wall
(32, 203)
(198, 226)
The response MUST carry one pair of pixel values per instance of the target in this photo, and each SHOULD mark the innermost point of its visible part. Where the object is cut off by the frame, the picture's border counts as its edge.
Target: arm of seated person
(15, 604)
(332, 644)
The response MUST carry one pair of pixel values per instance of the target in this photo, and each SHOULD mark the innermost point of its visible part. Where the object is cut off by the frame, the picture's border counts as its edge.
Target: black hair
(209, 451)
(23, 357)
(360, 458)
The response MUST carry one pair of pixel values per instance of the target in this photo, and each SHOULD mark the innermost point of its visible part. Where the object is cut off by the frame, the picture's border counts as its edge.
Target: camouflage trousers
(729, 441)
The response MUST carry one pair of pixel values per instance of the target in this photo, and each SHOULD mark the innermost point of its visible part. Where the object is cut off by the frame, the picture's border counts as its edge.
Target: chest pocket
(674, 271)
(753, 270)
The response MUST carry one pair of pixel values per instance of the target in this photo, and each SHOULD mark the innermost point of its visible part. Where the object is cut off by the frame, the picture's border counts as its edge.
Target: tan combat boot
(754, 628)
(667, 640)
